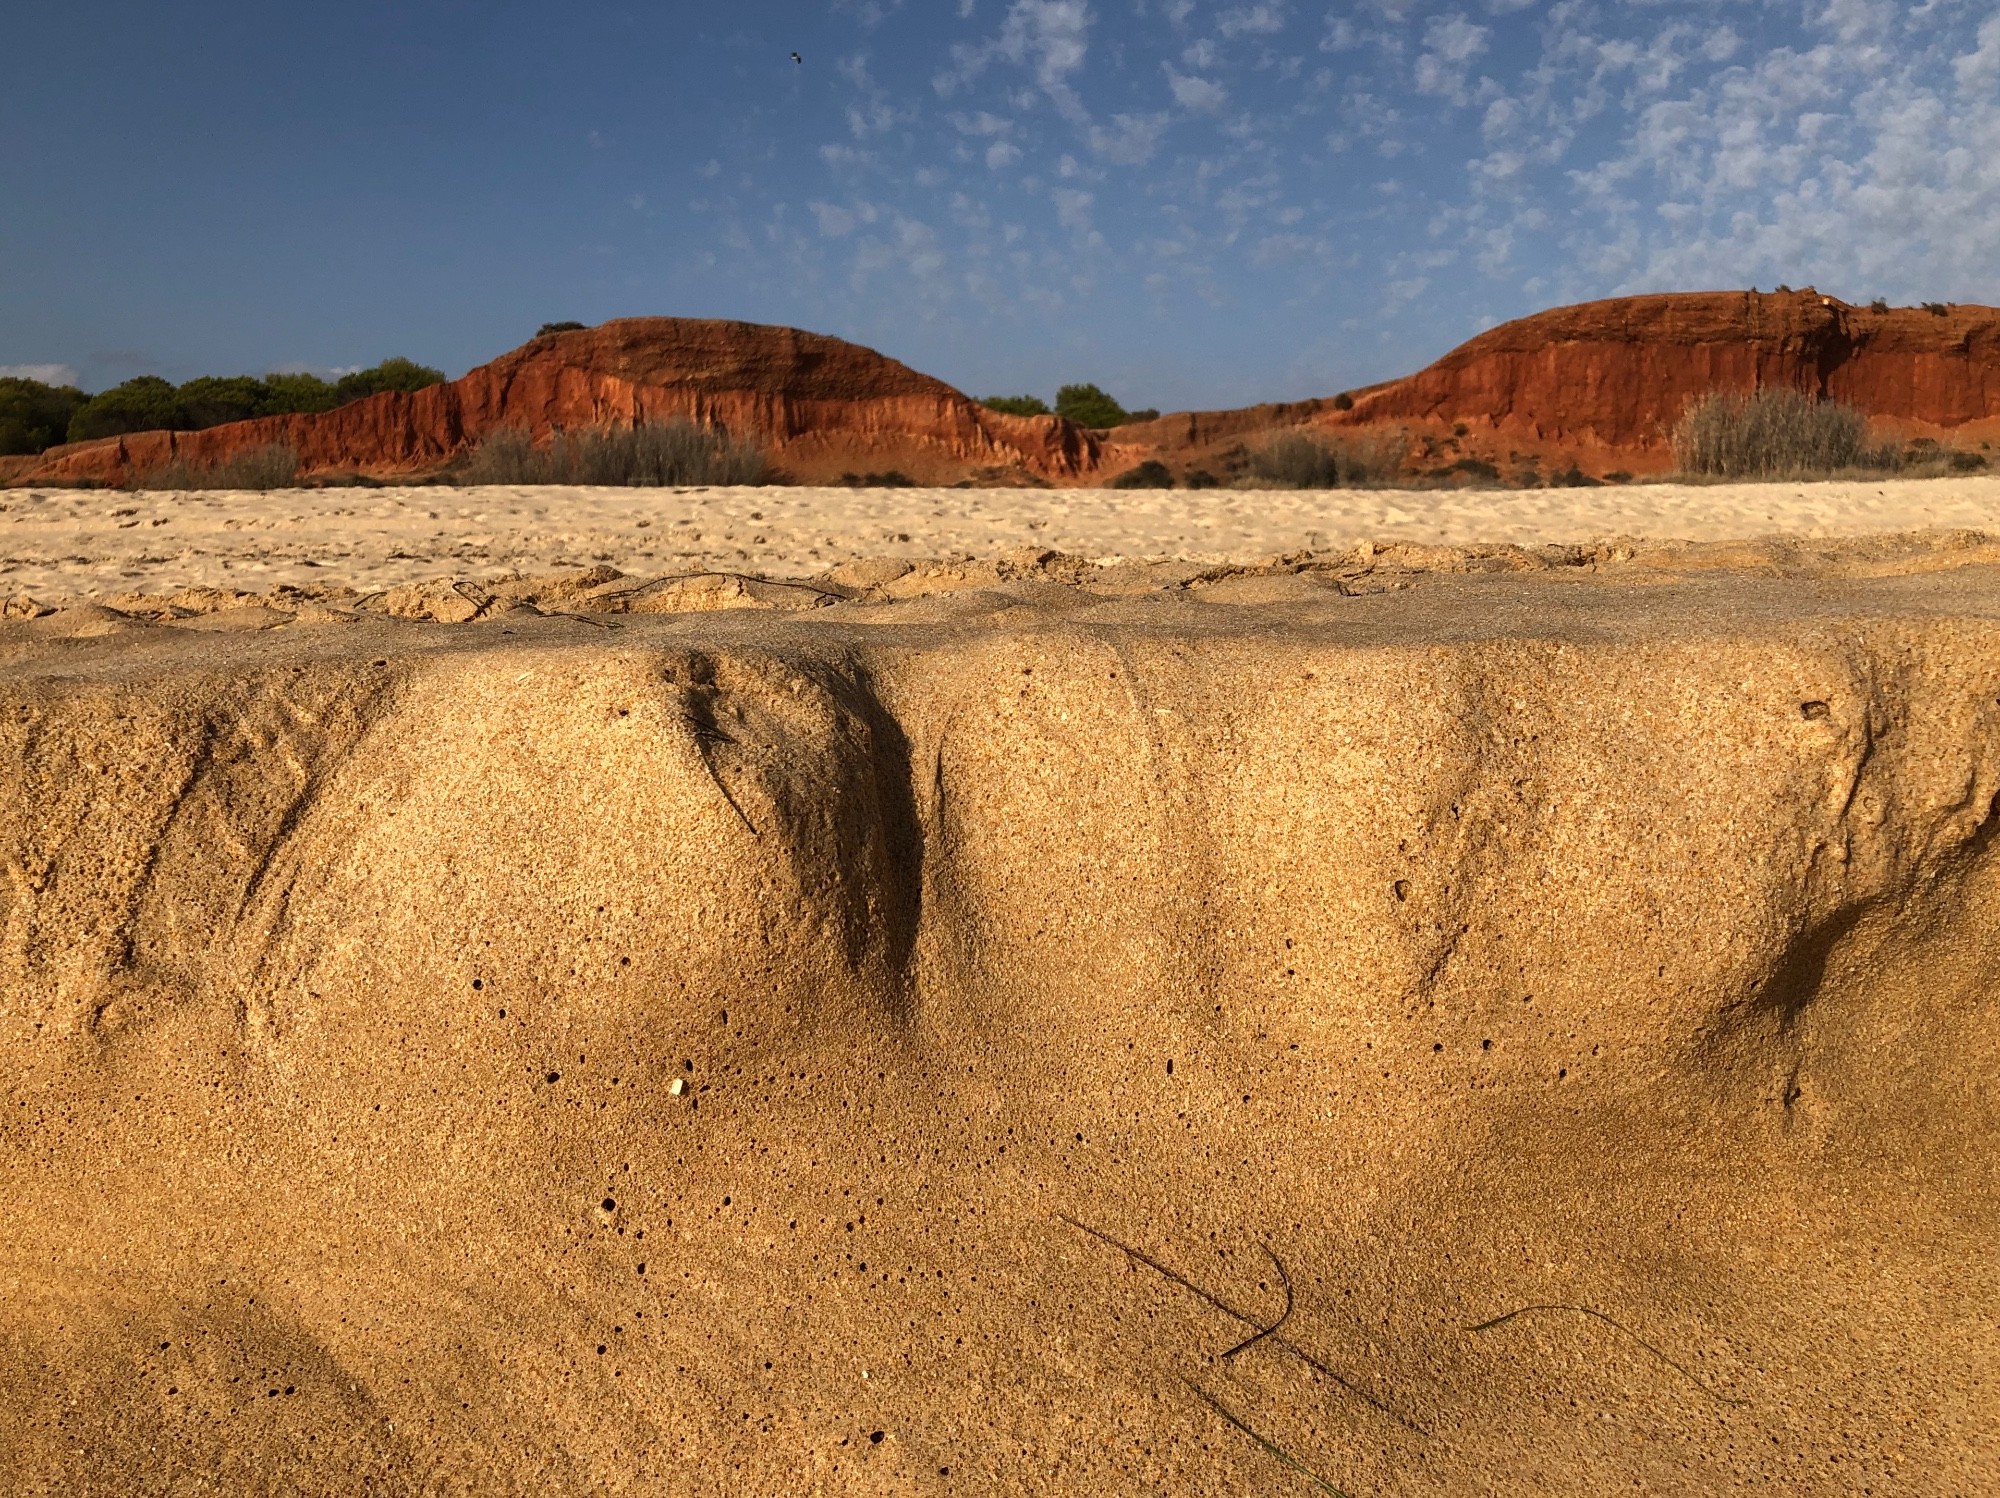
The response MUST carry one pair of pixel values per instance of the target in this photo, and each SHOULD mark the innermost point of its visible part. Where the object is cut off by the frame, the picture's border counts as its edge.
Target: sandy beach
(57, 544)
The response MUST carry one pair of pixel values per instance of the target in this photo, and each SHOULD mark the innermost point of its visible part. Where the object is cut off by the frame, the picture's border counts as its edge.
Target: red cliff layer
(1608, 380)
(1599, 385)
(823, 407)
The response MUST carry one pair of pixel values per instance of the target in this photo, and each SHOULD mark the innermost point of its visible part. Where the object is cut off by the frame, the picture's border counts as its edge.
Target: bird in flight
(798, 59)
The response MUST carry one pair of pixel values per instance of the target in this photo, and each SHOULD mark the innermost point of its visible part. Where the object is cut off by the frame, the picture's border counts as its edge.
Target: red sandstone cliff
(1605, 381)
(1598, 385)
(1601, 384)
(823, 407)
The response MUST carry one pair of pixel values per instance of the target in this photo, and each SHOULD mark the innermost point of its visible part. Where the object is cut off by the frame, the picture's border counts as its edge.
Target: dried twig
(1286, 1315)
(1616, 1325)
(743, 577)
(1269, 1445)
(479, 598)
(1141, 1257)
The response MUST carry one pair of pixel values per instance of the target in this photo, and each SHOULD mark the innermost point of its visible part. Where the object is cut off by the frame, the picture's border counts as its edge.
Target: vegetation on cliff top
(35, 416)
(1086, 405)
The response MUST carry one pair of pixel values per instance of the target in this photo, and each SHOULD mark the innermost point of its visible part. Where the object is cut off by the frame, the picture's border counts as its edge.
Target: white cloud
(835, 222)
(1002, 154)
(1129, 140)
(1260, 19)
(981, 123)
(1050, 37)
(1277, 249)
(1451, 45)
(1980, 68)
(1198, 94)
(48, 374)
(1340, 36)
(869, 119)
(1073, 207)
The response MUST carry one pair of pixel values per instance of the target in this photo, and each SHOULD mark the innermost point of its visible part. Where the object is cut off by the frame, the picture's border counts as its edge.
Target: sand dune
(1489, 1034)
(57, 544)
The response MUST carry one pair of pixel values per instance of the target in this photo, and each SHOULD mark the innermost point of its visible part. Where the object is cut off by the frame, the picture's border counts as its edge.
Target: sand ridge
(917, 1045)
(64, 543)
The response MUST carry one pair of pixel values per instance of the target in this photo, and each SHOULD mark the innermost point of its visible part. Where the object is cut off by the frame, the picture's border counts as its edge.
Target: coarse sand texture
(1506, 1034)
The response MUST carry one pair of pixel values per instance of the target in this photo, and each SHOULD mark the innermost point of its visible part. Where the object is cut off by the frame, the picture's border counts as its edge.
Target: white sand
(67, 544)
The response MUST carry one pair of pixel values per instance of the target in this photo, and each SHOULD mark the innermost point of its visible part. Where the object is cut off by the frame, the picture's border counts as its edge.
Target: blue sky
(1190, 202)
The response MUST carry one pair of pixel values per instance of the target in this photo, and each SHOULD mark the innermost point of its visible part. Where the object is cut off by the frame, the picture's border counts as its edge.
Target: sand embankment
(62, 544)
(725, 1054)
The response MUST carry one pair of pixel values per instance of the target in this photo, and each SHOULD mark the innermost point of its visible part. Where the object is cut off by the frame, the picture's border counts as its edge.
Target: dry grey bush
(1773, 434)
(1298, 461)
(272, 466)
(650, 454)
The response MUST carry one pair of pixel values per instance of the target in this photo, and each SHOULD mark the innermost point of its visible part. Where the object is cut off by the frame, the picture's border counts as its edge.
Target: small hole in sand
(1401, 890)
(554, 1077)
(1814, 712)
(478, 983)
(609, 1204)
(875, 1438)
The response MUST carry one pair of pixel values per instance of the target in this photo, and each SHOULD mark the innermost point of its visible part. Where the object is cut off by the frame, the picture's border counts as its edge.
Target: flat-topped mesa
(823, 407)
(1610, 378)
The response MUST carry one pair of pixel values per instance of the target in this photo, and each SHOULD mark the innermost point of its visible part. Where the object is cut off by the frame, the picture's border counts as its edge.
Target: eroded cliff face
(1598, 386)
(1608, 380)
(726, 1055)
(824, 407)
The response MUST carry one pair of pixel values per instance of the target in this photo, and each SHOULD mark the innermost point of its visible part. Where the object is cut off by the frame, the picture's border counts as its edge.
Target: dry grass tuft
(274, 466)
(1299, 461)
(1772, 434)
(652, 454)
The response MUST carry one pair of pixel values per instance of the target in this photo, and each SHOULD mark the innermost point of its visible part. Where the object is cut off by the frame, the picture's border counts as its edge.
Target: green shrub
(297, 395)
(1299, 461)
(558, 327)
(1088, 406)
(1151, 474)
(35, 417)
(1878, 305)
(391, 374)
(213, 400)
(145, 404)
(151, 404)
(1017, 405)
(1343, 402)
(651, 454)
(273, 466)
(894, 479)
(1771, 434)
(1201, 478)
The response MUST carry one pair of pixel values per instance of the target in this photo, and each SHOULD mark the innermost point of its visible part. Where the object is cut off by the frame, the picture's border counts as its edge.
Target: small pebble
(677, 1086)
